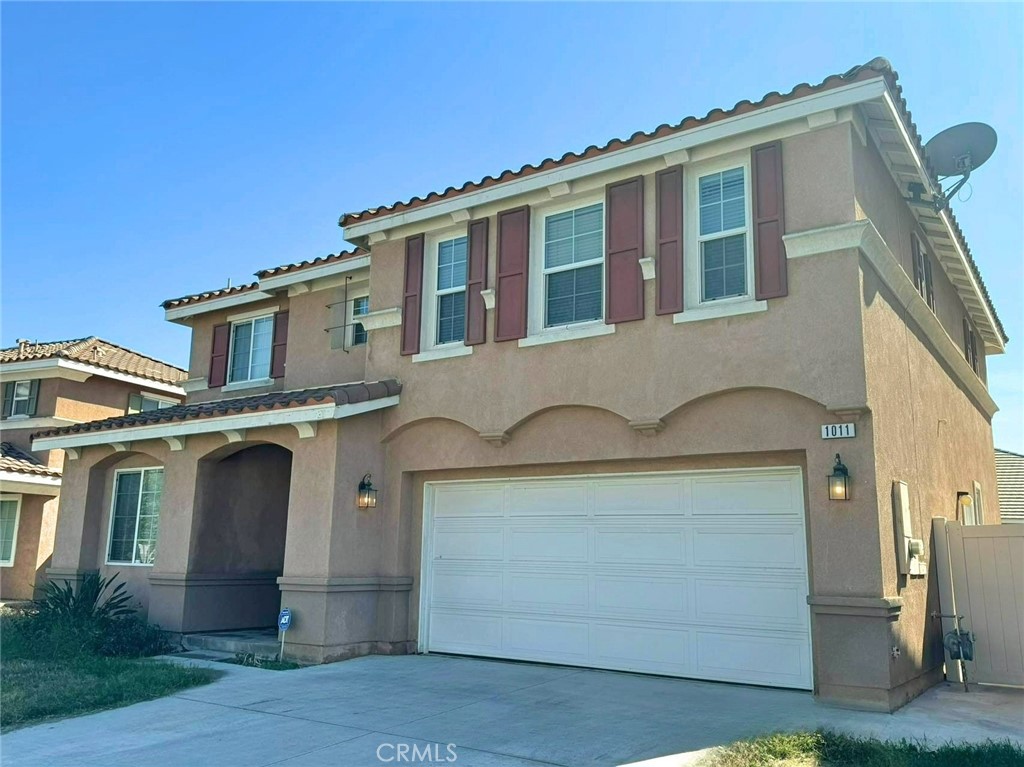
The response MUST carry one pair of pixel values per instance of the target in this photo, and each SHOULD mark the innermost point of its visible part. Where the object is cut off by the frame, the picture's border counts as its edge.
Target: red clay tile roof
(328, 259)
(195, 298)
(340, 394)
(878, 66)
(17, 460)
(102, 354)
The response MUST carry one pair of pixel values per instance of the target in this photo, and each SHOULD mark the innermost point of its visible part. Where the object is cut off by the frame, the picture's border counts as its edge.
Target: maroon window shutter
(624, 242)
(412, 302)
(219, 355)
(476, 280)
(668, 225)
(279, 352)
(513, 273)
(769, 222)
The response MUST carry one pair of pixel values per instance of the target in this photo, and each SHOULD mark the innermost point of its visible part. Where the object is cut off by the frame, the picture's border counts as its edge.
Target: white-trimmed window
(723, 234)
(21, 404)
(979, 505)
(573, 266)
(445, 319)
(251, 345)
(10, 513)
(360, 306)
(135, 516)
(142, 403)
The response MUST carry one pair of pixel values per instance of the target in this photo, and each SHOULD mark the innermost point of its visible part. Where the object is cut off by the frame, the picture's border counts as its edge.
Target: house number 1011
(838, 430)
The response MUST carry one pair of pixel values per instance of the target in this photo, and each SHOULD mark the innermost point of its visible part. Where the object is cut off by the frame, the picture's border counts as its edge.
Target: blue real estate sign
(284, 620)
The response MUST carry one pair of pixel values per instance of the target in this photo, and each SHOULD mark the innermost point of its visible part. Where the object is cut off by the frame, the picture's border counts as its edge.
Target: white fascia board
(278, 282)
(836, 98)
(29, 484)
(237, 422)
(215, 304)
(1000, 346)
(79, 371)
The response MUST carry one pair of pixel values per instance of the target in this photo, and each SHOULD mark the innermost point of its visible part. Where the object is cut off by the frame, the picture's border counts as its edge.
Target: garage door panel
(478, 544)
(659, 598)
(751, 658)
(638, 497)
(750, 603)
(466, 632)
(547, 639)
(548, 591)
(551, 544)
(642, 648)
(750, 547)
(549, 499)
(459, 587)
(745, 495)
(469, 501)
(690, 574)
(640, 546)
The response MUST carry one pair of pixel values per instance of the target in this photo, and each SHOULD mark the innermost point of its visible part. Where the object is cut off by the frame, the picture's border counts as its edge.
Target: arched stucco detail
(119, 456)
(574, 406)
(705, 398)
(229, 449)
(397, 431)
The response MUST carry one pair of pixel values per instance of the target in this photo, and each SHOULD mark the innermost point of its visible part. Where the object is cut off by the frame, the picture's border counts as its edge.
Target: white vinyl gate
(687, 574)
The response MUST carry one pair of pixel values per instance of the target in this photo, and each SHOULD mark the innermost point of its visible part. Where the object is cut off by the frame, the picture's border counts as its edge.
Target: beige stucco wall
(33, 548)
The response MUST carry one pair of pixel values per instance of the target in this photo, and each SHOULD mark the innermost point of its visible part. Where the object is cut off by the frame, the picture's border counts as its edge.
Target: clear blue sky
(154, 149)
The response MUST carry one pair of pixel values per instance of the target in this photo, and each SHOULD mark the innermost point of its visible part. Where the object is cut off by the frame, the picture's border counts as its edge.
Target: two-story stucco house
(588, 412)
(50, 385)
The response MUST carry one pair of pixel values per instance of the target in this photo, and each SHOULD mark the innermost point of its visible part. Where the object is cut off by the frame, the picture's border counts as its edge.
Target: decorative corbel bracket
(647, 268)
(234, 435)
(496, 438)
(647, 426)
(175, 443)
(306, 429)
(488, 297)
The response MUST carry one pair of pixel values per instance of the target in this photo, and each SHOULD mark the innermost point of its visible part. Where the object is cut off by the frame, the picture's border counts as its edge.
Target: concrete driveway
(372, 711)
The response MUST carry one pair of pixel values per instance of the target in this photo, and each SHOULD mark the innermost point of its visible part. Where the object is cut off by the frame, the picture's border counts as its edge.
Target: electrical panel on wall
(909, 550)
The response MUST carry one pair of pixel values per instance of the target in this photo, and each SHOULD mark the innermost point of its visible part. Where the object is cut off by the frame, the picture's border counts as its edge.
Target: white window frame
(428, 329)
(15, 399)
(246, 382)
(539, 274)
(353, 319)
(979, 504)
(693, 272)
(138, 508)
(17, 521)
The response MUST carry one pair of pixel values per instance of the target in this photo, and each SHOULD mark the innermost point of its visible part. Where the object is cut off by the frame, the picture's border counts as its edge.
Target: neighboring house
(576, 413)
(1010, 480)
(53, 385)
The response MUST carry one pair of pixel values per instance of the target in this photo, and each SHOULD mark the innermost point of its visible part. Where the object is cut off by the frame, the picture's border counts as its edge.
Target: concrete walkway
(362, 712)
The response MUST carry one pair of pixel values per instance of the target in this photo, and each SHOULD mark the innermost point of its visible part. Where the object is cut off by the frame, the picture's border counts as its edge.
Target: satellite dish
(960, 149)
(955, 151)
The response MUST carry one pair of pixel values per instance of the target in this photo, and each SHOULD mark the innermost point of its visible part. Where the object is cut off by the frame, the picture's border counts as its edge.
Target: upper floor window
(135, 516)
(251, 347)
(450, 291)
(20, 398)
(722, 235)
(360, 306)
(141, 403)
(923, 271)
(573, 270)
(10, 508)
(971, 346)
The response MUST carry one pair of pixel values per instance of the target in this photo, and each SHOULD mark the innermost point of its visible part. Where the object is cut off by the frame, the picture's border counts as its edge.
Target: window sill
(569, 333)
(443, 353)
(128, 564)
(254, 384)
(712, 311)
(7, 564)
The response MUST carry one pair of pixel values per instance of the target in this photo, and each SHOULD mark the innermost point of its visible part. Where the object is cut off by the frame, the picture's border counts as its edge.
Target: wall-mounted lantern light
(367, 494)
(964, 508)
(839, 482)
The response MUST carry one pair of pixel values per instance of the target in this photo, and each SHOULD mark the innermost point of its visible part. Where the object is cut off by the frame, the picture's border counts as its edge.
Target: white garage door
(689, 574)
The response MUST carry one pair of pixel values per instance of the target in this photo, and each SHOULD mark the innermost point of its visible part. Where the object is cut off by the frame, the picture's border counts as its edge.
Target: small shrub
(90, 602)
(132, 637)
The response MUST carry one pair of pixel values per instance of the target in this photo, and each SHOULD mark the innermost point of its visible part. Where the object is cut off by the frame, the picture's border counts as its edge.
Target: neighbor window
(135, 516)
(140, 403)
(722, 235)
(574, 266)
(251, 344)
(21, 403)
(451, 290)
(360, 306)
(9, 509)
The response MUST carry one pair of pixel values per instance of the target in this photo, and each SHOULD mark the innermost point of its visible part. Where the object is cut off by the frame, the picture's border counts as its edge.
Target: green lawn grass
(35, 690)
(830, 749)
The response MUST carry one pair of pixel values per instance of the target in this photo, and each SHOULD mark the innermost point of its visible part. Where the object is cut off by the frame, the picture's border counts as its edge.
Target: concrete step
(259, 642)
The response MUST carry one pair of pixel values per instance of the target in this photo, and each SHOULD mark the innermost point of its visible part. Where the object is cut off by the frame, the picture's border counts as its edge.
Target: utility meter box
(909, 550)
